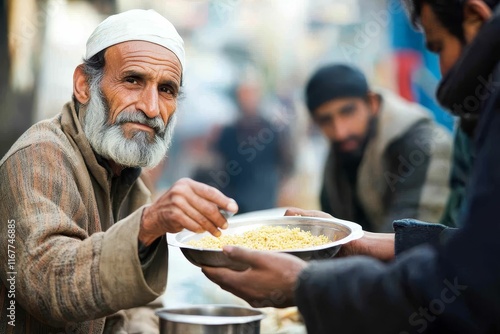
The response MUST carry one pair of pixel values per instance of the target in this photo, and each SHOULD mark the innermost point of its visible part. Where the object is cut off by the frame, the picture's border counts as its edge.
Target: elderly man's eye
(167, 89)
(131, 80)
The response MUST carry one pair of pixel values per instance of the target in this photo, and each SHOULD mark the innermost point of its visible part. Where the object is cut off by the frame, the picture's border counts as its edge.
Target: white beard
(108, 140)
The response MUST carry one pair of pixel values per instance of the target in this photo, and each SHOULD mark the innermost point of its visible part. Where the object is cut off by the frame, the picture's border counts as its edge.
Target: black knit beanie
(332, 82)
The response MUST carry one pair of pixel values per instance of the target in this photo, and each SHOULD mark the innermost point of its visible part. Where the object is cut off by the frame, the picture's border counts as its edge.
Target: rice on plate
(264, 238)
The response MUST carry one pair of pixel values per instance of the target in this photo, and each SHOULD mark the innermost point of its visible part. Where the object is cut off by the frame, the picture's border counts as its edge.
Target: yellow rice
(264, 238)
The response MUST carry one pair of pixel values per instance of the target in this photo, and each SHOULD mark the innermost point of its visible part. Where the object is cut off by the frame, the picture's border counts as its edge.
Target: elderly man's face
(141, 77)
(129, 114)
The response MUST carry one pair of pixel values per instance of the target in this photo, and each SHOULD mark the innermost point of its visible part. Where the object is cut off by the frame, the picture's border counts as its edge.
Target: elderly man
(79, 240)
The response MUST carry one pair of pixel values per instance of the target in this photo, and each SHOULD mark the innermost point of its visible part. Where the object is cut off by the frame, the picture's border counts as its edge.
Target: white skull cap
(136, 25)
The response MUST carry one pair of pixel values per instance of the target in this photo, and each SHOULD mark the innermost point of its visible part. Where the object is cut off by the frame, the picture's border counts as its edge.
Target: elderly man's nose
(148, 103)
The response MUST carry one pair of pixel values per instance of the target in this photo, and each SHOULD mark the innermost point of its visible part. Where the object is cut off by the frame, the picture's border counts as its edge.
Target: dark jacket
(256, 158)
(449, 285)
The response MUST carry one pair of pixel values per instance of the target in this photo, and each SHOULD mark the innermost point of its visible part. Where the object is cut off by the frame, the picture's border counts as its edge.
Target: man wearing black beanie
(388, 158)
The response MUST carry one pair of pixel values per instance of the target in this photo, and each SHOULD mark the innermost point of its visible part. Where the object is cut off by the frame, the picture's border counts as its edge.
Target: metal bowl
(338, 231)
(210, 319)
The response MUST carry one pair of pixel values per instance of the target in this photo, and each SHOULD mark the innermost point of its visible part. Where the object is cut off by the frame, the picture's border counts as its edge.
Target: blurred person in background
(388, 158)
(450, 283)
(89, 244)
(255, 154)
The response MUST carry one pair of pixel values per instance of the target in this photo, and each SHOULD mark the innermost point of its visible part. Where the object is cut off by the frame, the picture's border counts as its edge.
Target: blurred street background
(268, 47)
(244, 57)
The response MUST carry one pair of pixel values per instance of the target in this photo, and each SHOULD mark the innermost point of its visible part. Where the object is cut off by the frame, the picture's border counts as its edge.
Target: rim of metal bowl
(205, 319)
(356, 232)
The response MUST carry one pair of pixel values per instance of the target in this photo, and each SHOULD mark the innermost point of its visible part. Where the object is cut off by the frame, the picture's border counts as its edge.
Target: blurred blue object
(422, 70)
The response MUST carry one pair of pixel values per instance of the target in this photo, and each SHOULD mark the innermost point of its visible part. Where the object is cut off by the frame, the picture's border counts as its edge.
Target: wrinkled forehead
(144, 57)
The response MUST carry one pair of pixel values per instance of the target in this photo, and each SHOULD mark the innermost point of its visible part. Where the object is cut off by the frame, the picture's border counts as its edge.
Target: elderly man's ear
(80, 85)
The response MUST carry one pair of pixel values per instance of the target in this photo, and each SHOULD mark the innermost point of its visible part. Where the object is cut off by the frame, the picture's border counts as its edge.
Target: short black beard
(353, 158)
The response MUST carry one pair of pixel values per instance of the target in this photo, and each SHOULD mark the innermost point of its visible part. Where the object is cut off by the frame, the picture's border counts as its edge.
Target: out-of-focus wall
(283, 41)
(66, 32)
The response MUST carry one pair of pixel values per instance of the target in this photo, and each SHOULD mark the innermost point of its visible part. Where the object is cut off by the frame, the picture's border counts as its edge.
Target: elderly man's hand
(187, 204)
(269, 282)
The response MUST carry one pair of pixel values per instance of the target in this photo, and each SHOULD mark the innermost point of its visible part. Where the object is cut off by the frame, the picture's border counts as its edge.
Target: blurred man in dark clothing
(255, 152)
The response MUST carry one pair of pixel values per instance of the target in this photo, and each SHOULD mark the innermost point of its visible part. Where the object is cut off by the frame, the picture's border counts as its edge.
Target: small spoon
(226, 214)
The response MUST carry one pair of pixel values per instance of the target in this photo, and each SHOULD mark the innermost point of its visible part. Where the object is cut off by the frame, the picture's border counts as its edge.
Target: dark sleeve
(411, 233)
(146, 253)
(363, 295)
(405, 178)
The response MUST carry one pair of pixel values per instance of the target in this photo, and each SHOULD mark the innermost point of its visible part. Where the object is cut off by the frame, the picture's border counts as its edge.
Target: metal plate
(338, 231)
